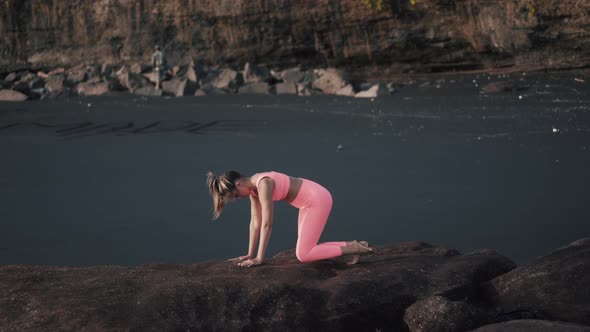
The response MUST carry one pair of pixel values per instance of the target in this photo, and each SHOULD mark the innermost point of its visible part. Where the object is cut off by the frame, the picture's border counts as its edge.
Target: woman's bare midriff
(294, 186)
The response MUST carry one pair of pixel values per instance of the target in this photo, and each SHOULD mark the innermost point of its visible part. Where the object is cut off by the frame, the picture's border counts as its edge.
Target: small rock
(12, 95)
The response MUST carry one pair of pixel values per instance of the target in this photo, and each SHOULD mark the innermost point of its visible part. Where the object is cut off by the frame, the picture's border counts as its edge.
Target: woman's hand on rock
(251, 262)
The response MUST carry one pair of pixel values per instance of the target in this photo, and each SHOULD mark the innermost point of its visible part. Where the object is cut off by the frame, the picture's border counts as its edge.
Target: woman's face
(241, 190)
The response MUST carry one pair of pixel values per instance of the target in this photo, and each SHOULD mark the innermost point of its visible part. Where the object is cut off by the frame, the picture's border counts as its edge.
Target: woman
(313, 201)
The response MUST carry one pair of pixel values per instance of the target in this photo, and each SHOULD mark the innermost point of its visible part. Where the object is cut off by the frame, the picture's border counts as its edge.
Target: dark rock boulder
(22, 87)
(107, 71)
(437, 313)
(553, 287)
(533, 325)
(283, 294)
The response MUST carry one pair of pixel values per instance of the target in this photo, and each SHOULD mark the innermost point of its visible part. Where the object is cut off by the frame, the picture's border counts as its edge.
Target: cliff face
(426, 36)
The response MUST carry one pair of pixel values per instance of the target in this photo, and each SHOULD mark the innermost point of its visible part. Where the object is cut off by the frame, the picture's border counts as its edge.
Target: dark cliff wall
(420, 35)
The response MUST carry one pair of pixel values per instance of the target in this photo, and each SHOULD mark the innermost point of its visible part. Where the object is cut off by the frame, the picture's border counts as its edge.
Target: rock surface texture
(283, 294)
(420, 36)
(406, 287)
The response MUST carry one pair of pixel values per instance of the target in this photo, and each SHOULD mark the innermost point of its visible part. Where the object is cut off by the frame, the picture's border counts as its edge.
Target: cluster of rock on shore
(186, 80)
(404, 287)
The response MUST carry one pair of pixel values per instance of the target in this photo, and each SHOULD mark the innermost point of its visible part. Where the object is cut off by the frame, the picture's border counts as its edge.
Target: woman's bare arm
(266, 206)
(265, 189)
(255, 222)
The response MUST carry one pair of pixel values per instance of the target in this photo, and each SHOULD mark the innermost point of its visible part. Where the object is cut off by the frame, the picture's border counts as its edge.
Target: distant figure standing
(158, 63)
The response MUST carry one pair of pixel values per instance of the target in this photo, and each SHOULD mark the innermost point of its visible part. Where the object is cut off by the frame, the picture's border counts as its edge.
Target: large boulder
(12, 77)
(295, 75)
(138, 68)
(92, 89)
(255, 88)
(12, 95)
(176, 87)
(533, 325)
(283, 294)
(329, 80)
(93, 71)
(5, 84)
(227, 79)
(376, 90)
(191, 75)
(22, 87)
(55, 83)
(188, 72)
(107, 71)
(438, 313)
(286, 88)
(148, 91)
(553, 287)
(346, 90)
(255, 74)
(131, 81)
(207, 90)
(76, 75)
(57, 71)
(36, 83)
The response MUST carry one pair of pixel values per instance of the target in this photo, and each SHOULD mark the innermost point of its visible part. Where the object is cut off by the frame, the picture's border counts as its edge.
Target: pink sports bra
(282, 183)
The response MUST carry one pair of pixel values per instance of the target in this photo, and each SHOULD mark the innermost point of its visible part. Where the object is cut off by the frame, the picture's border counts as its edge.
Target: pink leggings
(314, 203)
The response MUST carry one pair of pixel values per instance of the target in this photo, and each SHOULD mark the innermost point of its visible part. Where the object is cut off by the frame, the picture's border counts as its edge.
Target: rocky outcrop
(282, 294)
(405, 287)
(553, 287)
(405, 36)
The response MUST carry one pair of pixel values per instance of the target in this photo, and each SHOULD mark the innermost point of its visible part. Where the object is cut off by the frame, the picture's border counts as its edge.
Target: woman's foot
(358, 248)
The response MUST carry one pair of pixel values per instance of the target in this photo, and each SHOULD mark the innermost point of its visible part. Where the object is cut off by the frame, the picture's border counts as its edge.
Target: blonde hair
(220, 187)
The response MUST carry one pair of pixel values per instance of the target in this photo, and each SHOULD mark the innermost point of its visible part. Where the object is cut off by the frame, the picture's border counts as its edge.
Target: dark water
(123, 181)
